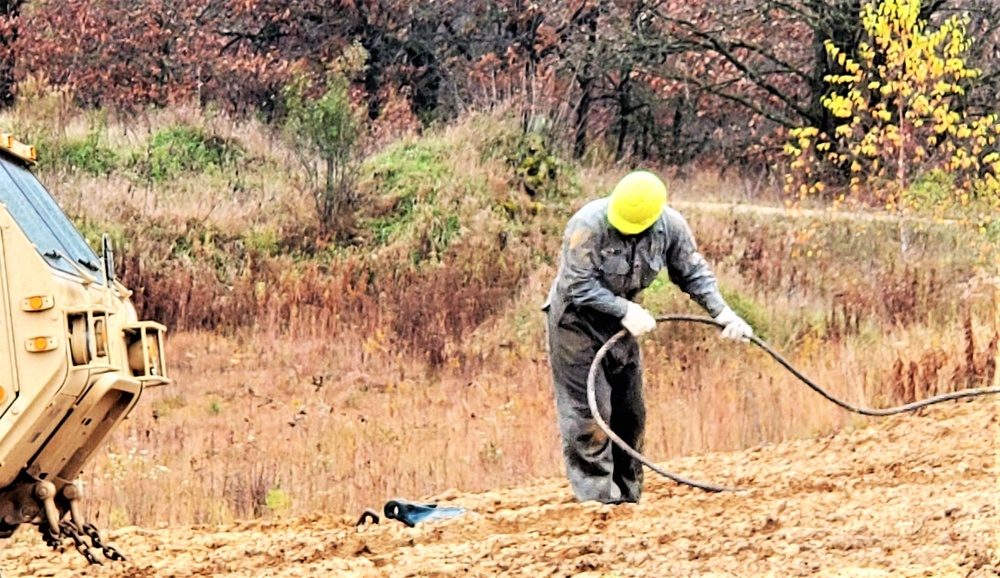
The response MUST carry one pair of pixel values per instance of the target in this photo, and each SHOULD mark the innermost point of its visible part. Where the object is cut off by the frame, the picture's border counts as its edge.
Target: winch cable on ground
(592, 398)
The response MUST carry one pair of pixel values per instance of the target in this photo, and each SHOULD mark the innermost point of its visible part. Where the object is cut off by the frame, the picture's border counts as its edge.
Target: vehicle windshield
(45, 224)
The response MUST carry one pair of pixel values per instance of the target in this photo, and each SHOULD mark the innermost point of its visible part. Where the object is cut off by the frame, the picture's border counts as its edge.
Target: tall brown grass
(334, 405)
(315, 377)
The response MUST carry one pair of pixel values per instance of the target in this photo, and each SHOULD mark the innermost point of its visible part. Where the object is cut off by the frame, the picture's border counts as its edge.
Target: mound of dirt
(913, 495)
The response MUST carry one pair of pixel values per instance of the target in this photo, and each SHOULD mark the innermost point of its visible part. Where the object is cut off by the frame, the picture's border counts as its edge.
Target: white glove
(735, 327)
(637, 320)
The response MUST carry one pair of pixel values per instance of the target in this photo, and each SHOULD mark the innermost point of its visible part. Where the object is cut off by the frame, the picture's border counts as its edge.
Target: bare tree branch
(725, 50)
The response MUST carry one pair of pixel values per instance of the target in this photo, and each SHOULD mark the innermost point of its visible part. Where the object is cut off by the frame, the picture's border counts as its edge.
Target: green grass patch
(88, 156)
(277, 500)
(263, 240)
(179, 149)
(398, 182)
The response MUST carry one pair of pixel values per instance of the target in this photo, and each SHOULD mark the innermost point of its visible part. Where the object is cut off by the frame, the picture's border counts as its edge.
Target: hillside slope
(912, 495)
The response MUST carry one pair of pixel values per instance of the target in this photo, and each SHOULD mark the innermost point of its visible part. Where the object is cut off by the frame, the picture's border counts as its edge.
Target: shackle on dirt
(681, 318)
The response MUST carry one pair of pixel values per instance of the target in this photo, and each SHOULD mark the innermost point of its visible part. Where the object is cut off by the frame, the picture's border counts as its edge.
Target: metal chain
(51, 539)
(80, 541)
(69, 530)
(110, 552)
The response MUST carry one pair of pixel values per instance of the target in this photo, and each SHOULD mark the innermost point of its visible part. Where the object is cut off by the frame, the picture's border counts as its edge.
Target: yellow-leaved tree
(903, 122)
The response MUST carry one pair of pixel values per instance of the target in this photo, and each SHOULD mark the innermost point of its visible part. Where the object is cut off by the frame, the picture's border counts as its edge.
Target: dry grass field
(270, 425)
(315, 377)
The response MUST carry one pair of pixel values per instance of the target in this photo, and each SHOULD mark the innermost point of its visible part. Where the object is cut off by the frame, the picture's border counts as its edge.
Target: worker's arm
(687, 268)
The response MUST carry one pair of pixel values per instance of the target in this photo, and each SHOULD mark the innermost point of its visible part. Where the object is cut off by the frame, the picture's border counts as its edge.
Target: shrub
(901, 105)
(403, 178)
(88, 155)
(530, 155)
(180, 149)
(328, 129)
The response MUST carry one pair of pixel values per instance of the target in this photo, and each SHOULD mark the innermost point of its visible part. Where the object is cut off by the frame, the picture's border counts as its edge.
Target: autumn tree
(900, 112)
(325, 124)
(10, 13)
(764, 63)
(674, 81)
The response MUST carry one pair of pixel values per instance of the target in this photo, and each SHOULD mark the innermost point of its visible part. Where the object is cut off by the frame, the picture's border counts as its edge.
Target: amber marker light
(41, 343)
(38, 303)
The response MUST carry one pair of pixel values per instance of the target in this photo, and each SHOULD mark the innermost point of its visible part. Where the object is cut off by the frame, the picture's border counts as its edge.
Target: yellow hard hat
(637, 202)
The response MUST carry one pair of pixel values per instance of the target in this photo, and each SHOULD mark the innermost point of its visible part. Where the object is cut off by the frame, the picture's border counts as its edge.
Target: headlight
(145, 352)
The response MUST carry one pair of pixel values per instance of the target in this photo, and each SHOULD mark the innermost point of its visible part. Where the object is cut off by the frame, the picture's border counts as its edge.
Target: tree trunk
(585, 79)
(624, 97)
(582, 116)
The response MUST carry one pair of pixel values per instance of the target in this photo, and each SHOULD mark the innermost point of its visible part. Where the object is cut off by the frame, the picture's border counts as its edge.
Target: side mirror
(108, 256)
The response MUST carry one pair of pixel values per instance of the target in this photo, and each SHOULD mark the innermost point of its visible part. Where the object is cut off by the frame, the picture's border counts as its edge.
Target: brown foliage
(10, 29)
(936, 371)
(796, 261)
(419, 310)
(895, 298)
(694, 82)
(130, 55)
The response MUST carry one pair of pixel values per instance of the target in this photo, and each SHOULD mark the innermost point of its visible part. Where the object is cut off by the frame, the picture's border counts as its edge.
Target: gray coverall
(600, 270)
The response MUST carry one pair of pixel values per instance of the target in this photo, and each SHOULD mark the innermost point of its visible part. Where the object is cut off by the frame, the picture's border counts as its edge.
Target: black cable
(812, 385)
(592, 401)
(592, 397)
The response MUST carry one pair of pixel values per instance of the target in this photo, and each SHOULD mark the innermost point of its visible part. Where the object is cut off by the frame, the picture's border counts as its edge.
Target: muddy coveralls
(600, 270)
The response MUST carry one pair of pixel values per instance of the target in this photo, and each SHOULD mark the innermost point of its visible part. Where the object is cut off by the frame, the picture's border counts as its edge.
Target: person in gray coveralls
(612, 249)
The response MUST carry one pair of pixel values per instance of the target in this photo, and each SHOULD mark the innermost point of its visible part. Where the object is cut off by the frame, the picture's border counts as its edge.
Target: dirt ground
(913, 495)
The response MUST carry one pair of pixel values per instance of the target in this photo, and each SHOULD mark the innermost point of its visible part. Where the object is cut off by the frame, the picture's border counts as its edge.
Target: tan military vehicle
(74, 358)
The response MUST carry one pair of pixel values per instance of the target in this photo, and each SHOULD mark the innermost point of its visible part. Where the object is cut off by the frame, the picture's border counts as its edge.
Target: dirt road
(913, 495)
(802, 213)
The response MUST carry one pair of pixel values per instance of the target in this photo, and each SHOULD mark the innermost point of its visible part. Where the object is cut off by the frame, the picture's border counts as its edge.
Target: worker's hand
(735, 327)
(637, 320)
